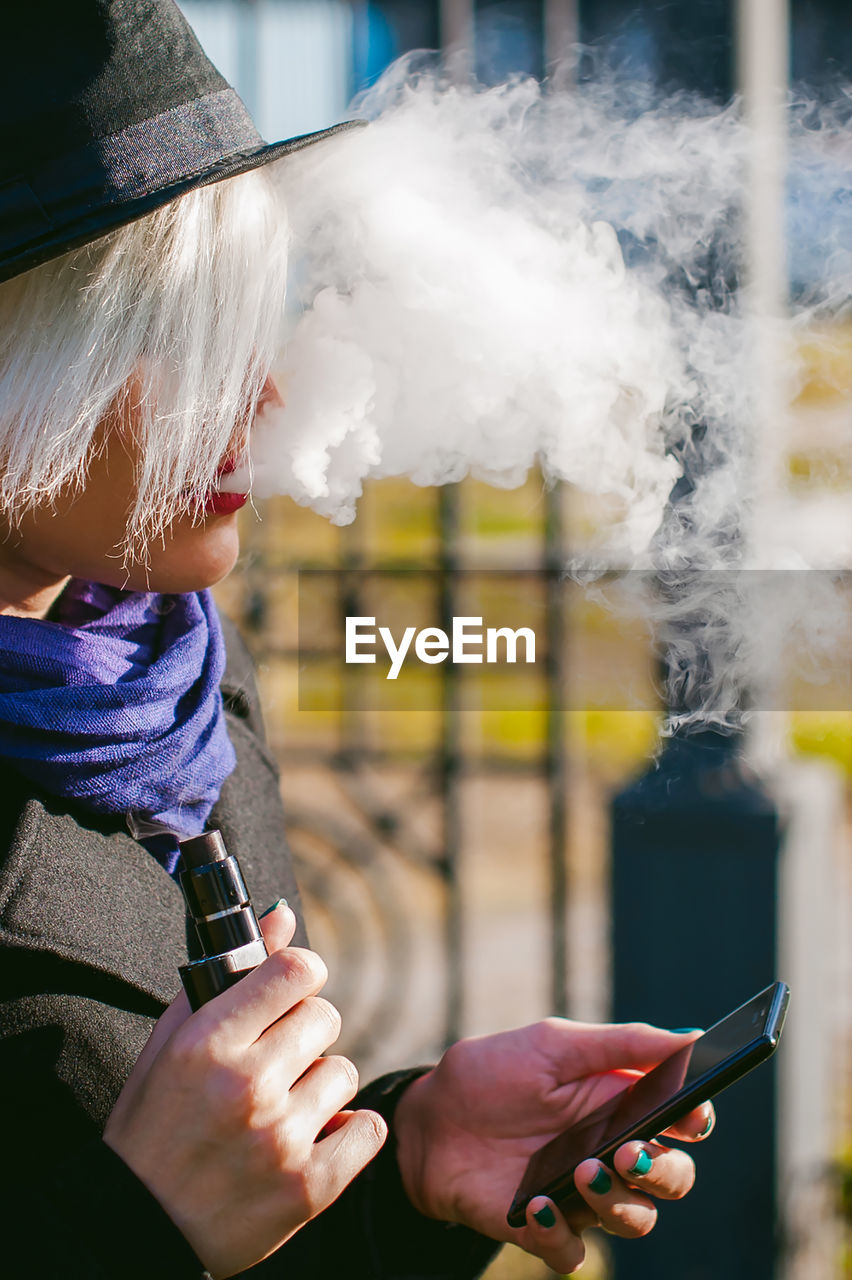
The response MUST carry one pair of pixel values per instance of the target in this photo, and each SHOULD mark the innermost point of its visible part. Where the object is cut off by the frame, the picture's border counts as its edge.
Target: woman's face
(81, 536)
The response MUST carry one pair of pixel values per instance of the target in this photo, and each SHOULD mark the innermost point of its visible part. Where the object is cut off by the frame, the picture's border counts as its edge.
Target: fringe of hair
(171, 321)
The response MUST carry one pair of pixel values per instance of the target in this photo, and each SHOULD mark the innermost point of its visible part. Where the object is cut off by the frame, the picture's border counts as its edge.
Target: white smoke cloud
(470, 311)
(493, 278)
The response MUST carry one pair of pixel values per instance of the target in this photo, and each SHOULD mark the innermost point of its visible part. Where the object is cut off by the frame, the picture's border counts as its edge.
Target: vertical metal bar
(561, 29)
(449, 767)
(349, 580)
(803, 1128)
(456, 18)
(555, 761)
(561, 33)
(763, 58)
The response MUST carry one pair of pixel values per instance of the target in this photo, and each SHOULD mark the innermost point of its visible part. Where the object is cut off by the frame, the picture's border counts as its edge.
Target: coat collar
(84, 891)
(91, 896)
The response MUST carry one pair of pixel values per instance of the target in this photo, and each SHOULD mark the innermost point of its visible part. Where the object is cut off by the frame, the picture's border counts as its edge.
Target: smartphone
(692, 1075)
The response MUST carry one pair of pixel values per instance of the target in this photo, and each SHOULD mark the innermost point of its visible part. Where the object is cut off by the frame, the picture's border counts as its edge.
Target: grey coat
(92, 932)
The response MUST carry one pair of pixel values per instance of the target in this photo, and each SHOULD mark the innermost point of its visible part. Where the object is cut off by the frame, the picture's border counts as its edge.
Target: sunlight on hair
(177, 317)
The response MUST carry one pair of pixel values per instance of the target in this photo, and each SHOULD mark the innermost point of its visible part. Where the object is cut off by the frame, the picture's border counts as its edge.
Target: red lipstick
(217, 503)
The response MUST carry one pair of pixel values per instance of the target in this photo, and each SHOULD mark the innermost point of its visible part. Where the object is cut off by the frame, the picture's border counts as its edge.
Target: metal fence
(376, 799)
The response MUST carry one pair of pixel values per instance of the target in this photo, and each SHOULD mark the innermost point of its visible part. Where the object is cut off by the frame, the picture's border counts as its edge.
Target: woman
(144, 267)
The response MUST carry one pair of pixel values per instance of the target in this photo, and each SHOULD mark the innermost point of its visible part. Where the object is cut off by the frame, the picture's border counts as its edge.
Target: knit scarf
(116, 705)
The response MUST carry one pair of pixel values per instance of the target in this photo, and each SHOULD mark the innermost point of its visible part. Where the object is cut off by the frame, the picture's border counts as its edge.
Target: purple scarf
(116, 705)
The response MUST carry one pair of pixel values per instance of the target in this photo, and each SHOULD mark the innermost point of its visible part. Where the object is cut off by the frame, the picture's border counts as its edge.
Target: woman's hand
(221, 1113)
(466, 1130)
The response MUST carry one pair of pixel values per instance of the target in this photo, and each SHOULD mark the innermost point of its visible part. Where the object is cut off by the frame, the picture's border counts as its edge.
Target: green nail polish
(642, 1165)
(601, 1183)
(545, 1217)
(281, 902)
(708, 1126)
(683, 1031)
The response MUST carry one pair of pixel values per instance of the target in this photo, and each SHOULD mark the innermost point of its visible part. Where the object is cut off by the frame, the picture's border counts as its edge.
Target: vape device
(219, 903)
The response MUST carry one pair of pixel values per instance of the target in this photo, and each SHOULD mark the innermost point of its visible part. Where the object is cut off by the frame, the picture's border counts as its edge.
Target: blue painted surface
(377, 45)
(694, 934)
(509, 39)
(387, 29)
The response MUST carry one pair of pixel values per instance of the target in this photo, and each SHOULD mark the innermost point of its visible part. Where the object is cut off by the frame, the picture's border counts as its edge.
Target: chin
(190, 561)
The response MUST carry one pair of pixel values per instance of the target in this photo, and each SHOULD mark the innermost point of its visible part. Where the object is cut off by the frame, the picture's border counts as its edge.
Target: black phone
(692, 1075)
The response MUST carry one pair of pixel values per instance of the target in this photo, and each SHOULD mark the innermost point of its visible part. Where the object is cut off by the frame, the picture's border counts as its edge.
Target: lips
(220, 503)
(224, 504)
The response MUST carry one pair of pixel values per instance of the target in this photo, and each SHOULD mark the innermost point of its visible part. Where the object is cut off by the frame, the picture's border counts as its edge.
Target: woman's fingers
(319, 1096)
(341, 1154)
(549, 1237)
(620, 1196)
(660, 1171)
(239, 1016)
(278, 924)
(333, 1124)
(622, 1210)
(699, 1124)
(590, 1048)
(289, 1047)
(221, 1124)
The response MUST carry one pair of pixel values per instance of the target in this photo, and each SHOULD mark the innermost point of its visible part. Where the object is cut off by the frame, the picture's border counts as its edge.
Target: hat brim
(99, 221)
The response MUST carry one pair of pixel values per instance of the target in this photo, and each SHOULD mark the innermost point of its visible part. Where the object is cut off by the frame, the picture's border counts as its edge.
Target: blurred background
(473, 863)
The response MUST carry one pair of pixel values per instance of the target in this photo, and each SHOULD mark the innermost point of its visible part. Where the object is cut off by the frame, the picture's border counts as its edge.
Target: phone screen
(727, 1041)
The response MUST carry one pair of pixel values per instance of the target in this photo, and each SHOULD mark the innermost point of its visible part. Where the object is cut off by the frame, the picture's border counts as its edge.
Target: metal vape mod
(227, 926)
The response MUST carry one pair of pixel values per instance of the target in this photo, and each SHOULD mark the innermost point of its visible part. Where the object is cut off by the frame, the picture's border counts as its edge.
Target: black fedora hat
(109, 109)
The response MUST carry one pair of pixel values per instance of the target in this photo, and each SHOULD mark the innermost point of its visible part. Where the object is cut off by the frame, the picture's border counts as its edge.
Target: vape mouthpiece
(199, 851)
(227, 928)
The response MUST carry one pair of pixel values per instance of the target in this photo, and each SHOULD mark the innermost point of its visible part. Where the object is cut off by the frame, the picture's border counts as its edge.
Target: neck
(27, 591)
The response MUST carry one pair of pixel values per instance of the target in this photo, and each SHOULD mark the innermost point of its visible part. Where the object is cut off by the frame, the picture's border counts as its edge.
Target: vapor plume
(493, 278)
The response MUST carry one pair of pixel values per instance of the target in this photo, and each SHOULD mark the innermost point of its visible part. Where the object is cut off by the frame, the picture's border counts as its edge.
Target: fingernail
(708, 1126)
(601, 1182)
(684, 1031)
(642, 1165)
(545, 1217)
(281, 902)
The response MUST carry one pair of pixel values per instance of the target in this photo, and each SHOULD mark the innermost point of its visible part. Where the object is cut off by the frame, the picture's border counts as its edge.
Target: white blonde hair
(179, 311)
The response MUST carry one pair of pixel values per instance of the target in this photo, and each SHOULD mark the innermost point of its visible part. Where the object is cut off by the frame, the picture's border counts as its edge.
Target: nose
(269, 394)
